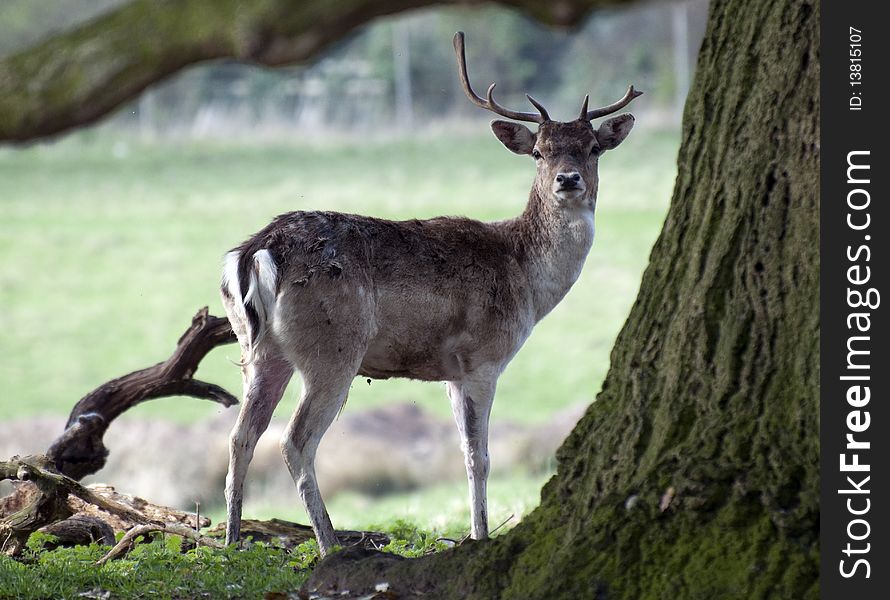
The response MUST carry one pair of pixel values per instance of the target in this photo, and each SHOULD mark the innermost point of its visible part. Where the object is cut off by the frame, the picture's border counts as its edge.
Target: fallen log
(290, 535)
(79, 530)
(152, 512)
(50, 504)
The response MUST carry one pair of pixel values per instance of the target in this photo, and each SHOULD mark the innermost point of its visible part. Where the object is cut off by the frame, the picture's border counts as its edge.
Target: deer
(335, 296)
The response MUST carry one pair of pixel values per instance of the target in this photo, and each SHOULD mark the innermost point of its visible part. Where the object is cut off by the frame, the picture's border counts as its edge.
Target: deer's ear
(517, 138)
(612, 132)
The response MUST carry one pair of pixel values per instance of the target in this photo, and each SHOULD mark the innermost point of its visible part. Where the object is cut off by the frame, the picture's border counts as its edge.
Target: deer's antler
(490, 103)
(589, 115)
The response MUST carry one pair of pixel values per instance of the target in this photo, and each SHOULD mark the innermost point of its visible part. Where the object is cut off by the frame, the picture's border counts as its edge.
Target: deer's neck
(551, 245)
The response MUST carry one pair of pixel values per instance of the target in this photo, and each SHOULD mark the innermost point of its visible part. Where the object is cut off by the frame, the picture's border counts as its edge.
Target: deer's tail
(251, 280)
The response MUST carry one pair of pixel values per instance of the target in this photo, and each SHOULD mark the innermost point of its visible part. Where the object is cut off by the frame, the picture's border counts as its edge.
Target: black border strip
(855, 559)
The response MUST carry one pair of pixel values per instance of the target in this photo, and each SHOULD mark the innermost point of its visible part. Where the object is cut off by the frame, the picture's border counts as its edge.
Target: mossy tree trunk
(695, 474)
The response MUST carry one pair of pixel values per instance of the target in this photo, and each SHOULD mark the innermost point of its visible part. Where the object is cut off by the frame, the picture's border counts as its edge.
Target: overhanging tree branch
(78, 76)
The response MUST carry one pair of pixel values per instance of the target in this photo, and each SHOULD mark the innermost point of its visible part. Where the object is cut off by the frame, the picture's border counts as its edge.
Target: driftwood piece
(291, 534)
(50, 505)
(43, 503)
(152, 512)
(79, 451)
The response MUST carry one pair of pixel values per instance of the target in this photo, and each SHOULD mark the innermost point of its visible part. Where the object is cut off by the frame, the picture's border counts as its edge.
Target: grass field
(444, 507)
(109, 246)
(160, 568)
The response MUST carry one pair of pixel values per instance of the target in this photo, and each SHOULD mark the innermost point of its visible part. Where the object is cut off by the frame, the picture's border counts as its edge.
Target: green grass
(107, 247)
(160, 568)
(444, 507)
(156, 570)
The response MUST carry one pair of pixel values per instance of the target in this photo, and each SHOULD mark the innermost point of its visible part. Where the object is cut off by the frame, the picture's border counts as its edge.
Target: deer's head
(566, 154)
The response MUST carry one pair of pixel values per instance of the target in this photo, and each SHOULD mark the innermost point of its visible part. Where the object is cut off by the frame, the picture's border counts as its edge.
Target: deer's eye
(594, 150)
(536, 154)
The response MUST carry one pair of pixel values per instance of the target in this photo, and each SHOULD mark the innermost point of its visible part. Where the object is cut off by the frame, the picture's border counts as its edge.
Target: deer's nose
(568, 180)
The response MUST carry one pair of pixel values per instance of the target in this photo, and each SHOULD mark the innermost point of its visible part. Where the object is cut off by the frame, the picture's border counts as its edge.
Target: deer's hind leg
(323, 396)
(265, 380)
(326, 336)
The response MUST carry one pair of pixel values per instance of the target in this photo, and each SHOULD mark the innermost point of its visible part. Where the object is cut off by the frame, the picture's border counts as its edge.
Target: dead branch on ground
(50, 504)
(129, 540)
(51, 479)
(79, 451)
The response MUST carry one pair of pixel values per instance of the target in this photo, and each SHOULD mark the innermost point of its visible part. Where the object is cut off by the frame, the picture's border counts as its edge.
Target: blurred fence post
(680, 34)
(401, 54)
(147, 114)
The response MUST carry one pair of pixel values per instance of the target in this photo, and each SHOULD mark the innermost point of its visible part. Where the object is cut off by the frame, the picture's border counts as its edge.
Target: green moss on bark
(710, 409)
(641, 553)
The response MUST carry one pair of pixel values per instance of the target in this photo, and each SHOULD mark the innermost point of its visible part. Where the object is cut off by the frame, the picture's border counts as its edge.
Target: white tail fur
(259, 298)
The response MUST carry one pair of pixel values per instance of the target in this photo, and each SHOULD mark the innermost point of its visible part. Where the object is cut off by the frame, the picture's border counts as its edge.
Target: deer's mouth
(569, 193)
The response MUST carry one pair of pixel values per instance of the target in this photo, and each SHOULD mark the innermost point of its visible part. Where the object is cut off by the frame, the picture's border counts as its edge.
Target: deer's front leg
(471, 403)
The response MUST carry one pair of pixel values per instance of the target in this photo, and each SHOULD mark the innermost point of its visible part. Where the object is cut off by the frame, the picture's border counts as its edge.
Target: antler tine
(490, 103)
(614, 107)
(540, 108)
(584, 107)
(462, 70)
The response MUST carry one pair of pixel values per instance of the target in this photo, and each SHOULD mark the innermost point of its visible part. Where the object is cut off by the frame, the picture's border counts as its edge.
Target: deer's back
(428, 299)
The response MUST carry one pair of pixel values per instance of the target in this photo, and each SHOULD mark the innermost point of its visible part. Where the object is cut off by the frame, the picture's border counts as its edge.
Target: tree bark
(695, 474)
(77, 77)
